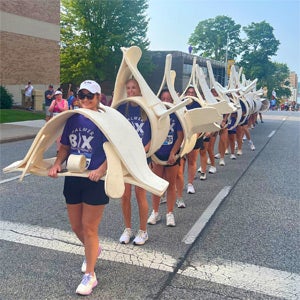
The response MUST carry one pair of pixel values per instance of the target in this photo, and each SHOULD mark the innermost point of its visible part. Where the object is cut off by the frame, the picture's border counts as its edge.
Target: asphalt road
(238, 237)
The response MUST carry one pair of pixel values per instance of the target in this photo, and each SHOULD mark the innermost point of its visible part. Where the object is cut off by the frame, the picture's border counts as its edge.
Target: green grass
(16, 115)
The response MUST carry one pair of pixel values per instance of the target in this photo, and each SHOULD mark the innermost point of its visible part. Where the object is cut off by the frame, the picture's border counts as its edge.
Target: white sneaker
(208, 161)
(235, 145)
(239, 152)
(199, 170)
(180, 203)
(154, 217)
(87, 284)
(170, 220)
(83, 266)
(226, 151)
(203, 176)
(222, 162)
(252, 147)
(232, 156)
(126, 236)
(140, 238)
(212, 170)
(190, 189)
(217, 155)
(244, 137)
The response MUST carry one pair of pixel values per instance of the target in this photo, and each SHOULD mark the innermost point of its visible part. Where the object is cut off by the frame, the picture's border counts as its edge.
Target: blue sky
(173, 21)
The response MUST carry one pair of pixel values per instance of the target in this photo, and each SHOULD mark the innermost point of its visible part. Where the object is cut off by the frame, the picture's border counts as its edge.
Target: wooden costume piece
(192, 121)
(126, 159)
(153, 107)
(223, 107)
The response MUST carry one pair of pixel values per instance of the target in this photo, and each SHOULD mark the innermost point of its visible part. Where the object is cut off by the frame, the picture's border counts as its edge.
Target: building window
(187, 69)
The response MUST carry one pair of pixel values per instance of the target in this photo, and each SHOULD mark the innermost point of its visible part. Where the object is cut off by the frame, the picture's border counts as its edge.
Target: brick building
(29, 44)
(30, 50)
(293, 79)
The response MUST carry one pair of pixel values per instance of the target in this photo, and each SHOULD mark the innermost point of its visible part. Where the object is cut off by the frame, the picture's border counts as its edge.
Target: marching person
(85, 197)
(139, 120)
(167, 152)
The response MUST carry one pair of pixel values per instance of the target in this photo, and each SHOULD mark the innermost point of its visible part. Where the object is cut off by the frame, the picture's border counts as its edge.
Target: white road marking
(247, 277)
(271, 134)
(239, 275)
(205, 217)
(64, 241)
(12, 178)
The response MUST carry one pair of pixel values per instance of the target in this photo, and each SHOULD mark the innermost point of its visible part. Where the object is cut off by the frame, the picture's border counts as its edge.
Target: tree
(211, 36)
(278, 80)
(92, 33)
(258, 48)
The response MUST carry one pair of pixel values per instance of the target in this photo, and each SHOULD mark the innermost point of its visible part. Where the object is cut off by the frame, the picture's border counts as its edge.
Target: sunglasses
(89, 96)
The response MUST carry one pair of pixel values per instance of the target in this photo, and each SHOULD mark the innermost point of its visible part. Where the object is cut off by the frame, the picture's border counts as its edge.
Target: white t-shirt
(29, 90)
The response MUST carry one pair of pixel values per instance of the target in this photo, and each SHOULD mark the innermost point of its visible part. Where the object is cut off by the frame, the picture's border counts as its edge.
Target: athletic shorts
(83, 190)
(166, 157)
(232, 131)
(199, 144)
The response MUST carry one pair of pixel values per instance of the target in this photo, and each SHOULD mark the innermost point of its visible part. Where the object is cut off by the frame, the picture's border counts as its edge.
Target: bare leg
(192, 165)
(126, 205)
(180, 178)
(85, 220)
(170, 174)
(142, 202)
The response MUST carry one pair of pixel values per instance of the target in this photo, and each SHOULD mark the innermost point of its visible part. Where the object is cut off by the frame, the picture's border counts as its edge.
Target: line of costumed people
(158, 130)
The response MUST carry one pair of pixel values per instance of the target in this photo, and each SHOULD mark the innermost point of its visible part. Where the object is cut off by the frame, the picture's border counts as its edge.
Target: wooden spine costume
(124, 165)
(192, 121)
(152, 106)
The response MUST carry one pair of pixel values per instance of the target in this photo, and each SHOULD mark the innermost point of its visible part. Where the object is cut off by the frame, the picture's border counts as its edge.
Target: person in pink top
(57, 106)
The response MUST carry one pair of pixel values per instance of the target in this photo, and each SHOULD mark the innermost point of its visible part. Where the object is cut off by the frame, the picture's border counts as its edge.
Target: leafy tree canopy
(211, 36)
(92, 33)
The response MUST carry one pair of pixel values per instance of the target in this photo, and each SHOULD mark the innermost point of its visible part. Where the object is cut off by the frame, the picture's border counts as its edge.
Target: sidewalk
(11, 132)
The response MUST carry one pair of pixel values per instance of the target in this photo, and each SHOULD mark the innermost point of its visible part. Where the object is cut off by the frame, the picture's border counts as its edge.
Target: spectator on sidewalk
(49, 96)
(28, 96)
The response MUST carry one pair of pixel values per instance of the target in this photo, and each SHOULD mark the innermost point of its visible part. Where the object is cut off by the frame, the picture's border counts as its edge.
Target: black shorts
(199, 144)
(166, 157)
(83, 190)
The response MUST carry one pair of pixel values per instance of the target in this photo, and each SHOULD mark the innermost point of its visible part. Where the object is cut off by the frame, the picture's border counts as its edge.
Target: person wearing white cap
(57, 106)
(85, 197)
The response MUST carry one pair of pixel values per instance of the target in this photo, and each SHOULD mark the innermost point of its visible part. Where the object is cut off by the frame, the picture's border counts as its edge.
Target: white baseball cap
(58, 93)
(90, 85)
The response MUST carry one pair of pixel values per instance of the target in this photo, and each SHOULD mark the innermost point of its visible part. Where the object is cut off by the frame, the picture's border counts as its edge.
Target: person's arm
(176, 147)
(61, 157)
(224, 121)
(51, 107)
(147, 146)
(96, 175)
(65, 105)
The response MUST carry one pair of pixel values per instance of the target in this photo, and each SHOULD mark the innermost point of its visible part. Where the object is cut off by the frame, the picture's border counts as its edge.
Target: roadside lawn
(16, 115)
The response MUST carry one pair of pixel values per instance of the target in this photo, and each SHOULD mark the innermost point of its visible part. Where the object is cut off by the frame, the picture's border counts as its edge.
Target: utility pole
(226, 61)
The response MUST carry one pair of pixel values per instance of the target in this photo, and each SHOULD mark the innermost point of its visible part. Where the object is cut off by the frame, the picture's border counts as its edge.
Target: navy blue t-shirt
(169, 142)
(134, 115)
(84, 137)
